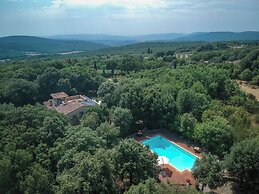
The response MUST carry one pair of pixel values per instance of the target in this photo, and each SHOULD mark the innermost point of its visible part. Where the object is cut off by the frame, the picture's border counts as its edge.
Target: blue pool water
(178, 157)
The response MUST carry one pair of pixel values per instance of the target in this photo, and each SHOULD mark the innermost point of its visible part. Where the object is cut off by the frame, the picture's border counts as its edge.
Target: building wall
(77, 112)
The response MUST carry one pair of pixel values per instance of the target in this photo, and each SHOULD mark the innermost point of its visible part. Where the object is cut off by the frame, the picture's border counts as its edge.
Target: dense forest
(189, 89)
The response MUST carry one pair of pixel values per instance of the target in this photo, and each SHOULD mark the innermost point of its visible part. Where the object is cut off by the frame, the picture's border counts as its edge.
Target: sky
(126, 17)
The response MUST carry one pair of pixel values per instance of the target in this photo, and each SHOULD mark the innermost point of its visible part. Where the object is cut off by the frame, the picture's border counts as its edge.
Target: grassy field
(254, 90)
(249, 89)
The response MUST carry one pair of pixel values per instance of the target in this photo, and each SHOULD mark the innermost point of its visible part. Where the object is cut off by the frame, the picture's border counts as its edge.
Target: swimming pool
(178, 157)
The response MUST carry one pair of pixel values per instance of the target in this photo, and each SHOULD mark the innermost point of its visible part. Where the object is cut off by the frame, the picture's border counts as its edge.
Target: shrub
(246, 75)
(257, 119)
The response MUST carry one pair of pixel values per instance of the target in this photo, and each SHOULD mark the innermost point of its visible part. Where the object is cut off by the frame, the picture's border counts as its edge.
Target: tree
(190, 102)
(91, 120)
(112, 65)
(95, 66)
(53, 128)
(184, 101)
(102, 111)
(243, 163)
(158, 106)
(38, 180)
(208, 171)
(122, 118)
(130, 63)
(89, 174)
(6, 177)
(151, 186)
(239, 119)
(14, 165)
(108, 132)
(63, 85)
(105, 91)
(215, 135)
(23, 126)
(83, 79)
(187, 124)
(198, 87)
(205, 47)
(67, 183)
(255, 80)
(48, 82)
(248, 62)
(201, 103)
(134, 163)
(129, 94)
(57, 65)
(82, 139)
(21, 92)
(246, 75)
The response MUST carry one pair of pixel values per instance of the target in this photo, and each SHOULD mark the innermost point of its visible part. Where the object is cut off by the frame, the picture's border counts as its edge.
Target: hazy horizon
(123, 35)
(126, 17)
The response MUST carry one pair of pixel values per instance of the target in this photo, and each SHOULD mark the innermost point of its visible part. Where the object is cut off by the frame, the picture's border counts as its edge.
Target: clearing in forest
(249, 89)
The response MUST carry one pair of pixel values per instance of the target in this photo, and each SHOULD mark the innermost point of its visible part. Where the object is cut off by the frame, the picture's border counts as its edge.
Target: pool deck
(177, 177)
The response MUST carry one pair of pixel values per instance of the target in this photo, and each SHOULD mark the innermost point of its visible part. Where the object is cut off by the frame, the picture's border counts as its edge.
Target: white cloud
(126, 4)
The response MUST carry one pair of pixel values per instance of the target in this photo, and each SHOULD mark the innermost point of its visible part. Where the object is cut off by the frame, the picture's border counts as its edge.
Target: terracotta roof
(68, 104)
(59, 95)
(69, 107)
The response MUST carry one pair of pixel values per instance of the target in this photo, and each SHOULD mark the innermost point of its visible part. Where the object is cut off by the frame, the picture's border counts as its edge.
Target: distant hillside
(110, 40)
(18, 46)
(220, 36)
(113, 40)
(159, 37)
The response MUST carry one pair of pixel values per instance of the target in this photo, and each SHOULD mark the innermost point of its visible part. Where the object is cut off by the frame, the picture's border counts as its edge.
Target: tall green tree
(6, 175)
(215, 135)
(187, 124)
(106, 92)
(48, 81)
(208, 171)
(53, 128)
(133, 163)
(21, 92)
(90, 119)
(38, 180)
(246, 75)
(243, 163)
(190, 102)
(108, 132)
(151, 186)
(122, 118)
(112, 65)
(89, 174)
(82, 139)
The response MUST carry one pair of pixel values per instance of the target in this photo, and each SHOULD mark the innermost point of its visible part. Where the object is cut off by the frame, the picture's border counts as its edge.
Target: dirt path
(249, 89)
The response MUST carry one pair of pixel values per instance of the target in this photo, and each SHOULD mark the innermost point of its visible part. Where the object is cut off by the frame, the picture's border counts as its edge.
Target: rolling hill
(19, 46)
(113, 40)
(221, 36)
(110, 40)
